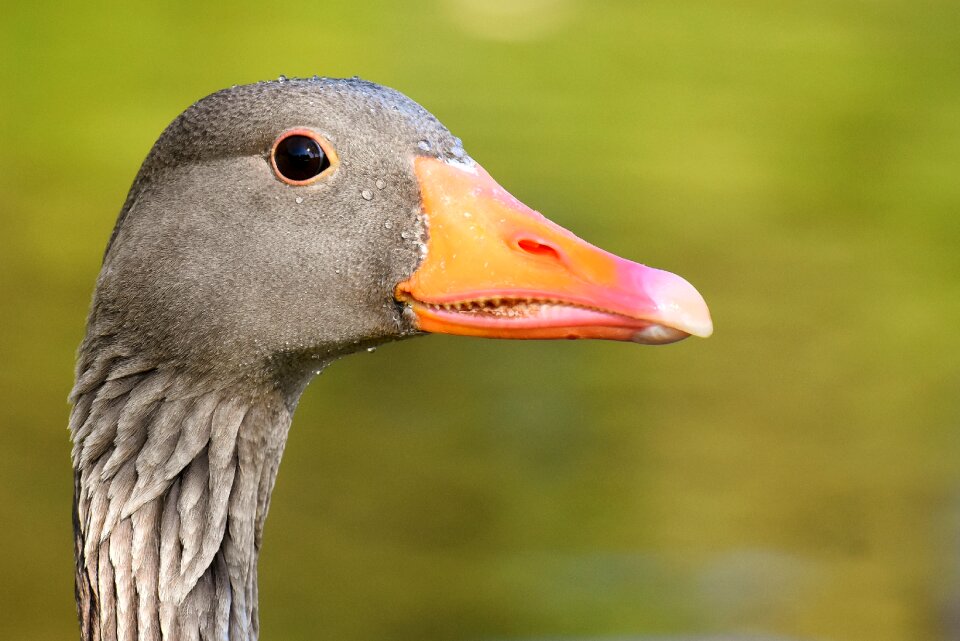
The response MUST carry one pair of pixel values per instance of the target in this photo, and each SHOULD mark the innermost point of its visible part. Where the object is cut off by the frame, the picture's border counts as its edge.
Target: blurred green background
(797, 474)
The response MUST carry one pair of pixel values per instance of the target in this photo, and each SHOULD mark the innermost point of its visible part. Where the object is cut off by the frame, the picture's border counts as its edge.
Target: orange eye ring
(302, 157)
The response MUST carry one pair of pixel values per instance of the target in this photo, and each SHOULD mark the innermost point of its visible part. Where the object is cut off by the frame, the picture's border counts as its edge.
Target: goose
(272, 229)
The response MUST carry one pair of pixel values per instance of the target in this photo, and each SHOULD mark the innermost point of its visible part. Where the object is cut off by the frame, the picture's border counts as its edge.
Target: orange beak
(498, 269)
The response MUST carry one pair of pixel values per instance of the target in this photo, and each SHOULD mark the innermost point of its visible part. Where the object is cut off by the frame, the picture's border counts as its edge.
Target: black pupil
(300, 158)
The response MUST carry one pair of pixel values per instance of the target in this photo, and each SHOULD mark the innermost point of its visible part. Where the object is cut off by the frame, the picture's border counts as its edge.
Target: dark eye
(298, 157)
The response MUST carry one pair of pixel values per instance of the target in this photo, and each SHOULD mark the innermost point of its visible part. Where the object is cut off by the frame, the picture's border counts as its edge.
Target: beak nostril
(537, 248)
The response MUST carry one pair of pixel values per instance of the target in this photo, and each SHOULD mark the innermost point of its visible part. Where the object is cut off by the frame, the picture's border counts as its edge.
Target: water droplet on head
(424, 145)
(366, 194)
(381, 184)
(388, 225)
(406, 235)
(282, 78)
(371, 349)
(299, 200)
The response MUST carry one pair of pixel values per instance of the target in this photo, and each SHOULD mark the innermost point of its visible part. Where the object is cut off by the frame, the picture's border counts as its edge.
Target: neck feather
(172, 486)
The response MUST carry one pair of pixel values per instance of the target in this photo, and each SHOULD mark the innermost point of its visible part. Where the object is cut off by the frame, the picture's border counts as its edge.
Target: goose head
(283, 223)
(273, 228)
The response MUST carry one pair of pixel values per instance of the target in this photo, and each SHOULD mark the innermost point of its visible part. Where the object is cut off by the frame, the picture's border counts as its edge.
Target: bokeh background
(798, 474)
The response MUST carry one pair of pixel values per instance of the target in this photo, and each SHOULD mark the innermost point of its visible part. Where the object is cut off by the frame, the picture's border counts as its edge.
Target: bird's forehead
(247, 118)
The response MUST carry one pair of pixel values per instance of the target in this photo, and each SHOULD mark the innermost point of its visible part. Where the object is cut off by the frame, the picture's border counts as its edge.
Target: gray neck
(172, 486)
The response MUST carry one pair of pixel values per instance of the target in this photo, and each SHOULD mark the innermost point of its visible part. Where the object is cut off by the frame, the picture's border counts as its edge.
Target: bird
(272, 229)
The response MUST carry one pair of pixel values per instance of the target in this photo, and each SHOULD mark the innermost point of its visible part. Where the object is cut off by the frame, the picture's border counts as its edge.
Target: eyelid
(325, 145)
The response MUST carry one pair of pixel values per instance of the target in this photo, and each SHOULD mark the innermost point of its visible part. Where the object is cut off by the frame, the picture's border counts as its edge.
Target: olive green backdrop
(797, 474)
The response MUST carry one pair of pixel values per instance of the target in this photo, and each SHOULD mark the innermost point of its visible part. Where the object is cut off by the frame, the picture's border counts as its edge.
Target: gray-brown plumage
(222, 292)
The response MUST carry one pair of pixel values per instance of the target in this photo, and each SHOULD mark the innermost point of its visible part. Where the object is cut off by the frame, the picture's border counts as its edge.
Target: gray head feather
(217, 266)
